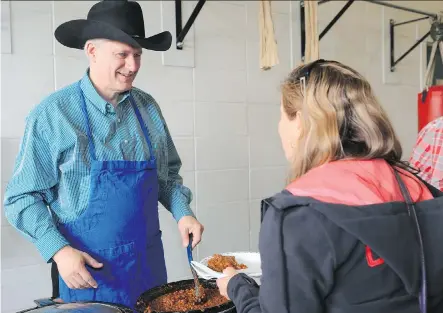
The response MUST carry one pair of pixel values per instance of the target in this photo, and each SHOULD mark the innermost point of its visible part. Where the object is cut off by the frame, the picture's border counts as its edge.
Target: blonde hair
(341, 117)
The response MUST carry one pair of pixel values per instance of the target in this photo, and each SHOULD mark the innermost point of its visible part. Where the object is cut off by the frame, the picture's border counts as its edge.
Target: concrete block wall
(222, 110)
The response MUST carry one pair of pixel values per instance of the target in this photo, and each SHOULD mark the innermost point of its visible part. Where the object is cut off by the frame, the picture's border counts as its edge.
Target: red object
(430, 105)
(370, 258)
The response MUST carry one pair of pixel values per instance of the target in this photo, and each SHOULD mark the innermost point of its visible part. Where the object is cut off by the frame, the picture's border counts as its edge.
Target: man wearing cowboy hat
(99, 155)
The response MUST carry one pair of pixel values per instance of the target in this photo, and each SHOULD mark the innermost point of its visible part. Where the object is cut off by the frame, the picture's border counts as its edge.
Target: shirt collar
(93, 96)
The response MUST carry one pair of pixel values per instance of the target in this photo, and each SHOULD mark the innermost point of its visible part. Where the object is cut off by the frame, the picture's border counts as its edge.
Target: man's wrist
(51, 242)
(179, 214)
(59, 254)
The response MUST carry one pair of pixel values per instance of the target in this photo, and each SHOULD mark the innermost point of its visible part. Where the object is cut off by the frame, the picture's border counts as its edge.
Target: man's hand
(188, 225)
(71, 266)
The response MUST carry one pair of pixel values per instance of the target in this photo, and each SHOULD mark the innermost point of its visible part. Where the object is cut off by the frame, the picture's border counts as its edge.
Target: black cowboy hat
(117, 20)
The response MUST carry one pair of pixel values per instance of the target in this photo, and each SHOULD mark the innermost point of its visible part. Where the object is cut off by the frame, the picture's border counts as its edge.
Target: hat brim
(75, 33)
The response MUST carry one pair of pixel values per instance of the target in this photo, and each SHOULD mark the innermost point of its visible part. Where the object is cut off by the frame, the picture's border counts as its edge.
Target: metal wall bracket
(392, 26)
(180, 31)
(398, 7)
(336, 18)
(327, 28)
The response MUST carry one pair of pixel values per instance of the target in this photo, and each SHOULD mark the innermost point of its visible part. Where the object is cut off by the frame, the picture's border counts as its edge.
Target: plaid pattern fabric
(53, 164)
(427, 155)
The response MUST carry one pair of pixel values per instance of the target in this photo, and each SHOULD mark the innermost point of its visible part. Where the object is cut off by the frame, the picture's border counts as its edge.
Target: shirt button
(125, 141)
(119, 120)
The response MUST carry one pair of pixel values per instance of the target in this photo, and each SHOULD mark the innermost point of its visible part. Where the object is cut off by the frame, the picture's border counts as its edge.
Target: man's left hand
(189, 225)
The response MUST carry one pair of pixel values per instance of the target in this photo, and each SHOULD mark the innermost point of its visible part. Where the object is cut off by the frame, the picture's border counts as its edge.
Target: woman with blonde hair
(355, 230)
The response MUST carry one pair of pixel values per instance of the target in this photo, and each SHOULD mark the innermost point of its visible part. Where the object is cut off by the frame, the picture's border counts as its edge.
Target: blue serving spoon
(197, 287)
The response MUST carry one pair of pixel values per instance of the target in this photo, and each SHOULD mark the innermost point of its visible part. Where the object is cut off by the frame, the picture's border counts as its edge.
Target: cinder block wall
(221, 108)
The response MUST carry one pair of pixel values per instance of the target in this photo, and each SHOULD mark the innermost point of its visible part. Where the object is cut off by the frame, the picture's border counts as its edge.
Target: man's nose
(132, 63)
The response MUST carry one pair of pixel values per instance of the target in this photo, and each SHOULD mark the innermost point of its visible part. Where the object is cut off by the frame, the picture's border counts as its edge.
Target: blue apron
(119, 228)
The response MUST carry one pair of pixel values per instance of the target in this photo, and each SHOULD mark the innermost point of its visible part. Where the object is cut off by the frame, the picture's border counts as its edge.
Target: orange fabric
(353, 182)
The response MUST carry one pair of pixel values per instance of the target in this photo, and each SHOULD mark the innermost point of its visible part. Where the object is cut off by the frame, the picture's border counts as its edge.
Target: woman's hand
(222, 283)
(71, 266)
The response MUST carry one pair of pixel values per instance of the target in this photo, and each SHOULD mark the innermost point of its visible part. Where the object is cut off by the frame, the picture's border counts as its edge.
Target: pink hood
(353, 182)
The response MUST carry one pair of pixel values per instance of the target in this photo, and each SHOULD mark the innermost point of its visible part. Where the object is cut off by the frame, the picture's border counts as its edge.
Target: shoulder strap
(413, 214)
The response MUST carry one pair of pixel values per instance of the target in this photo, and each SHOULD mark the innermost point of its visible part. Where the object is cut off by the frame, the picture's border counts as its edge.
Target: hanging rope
(268, 45)
(311, 31)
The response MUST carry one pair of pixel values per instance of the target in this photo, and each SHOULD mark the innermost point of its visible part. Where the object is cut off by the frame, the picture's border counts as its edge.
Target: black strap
(413, 214)
(54, 279)
(424, 93)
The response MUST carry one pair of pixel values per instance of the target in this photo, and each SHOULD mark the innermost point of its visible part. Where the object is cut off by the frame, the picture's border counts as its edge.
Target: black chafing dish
(49, 306)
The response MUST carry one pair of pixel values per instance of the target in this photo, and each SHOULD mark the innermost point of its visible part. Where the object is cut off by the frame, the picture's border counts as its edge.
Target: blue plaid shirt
(50, 183)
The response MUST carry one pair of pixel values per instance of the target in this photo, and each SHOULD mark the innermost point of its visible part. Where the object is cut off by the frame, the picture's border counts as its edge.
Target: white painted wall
(223, 112)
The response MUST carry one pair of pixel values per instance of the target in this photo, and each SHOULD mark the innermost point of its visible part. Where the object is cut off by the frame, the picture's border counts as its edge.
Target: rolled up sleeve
(29, 191)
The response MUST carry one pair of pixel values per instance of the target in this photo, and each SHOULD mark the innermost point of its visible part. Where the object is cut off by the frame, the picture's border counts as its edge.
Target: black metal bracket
(327, 28)
(336, 18)
(394, 6)
(180, 31)
(302, 29)
(392, 26)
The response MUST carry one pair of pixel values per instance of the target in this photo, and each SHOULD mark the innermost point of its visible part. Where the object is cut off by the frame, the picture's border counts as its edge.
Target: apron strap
(411, 209)
(88, 128)
(91, 145)
(143, 126)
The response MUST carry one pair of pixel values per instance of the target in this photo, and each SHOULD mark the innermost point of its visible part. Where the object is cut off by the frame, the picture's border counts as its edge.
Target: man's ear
(91, 50)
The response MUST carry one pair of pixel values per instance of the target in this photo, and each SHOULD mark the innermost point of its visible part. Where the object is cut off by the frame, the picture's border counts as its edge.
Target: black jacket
(320, 256)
